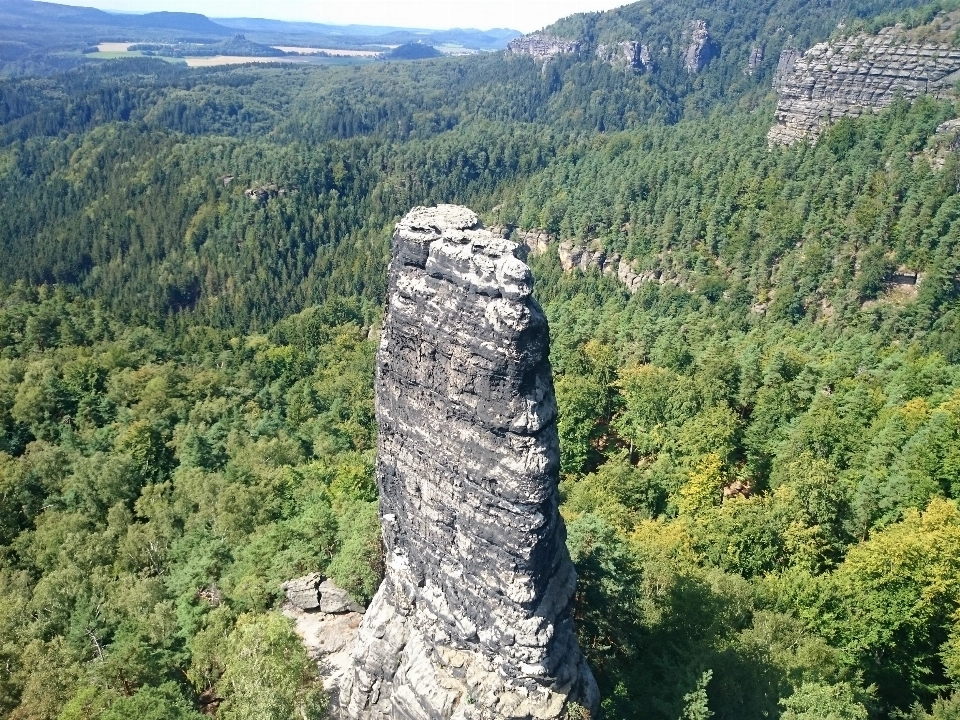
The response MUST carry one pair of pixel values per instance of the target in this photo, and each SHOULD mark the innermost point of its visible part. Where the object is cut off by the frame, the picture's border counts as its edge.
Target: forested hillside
(760, 446)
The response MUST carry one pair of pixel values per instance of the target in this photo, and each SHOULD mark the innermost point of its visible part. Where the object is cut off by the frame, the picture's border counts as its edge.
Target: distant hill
(186, 22)
(413, 51)
(352, 35)
(14, 13)
(38, 38)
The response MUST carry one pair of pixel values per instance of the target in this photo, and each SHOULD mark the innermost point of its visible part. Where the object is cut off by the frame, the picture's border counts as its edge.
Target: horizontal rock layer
(542, 47)
(857, 75)
(474, 617)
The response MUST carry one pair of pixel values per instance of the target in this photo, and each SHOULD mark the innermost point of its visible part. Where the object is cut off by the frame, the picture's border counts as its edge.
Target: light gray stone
(853, 76)
(302, 592)
(701, 48)
(335, 600)
(542, 47)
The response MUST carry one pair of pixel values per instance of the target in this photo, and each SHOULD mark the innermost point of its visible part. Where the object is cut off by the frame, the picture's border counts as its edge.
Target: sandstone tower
(474, 616)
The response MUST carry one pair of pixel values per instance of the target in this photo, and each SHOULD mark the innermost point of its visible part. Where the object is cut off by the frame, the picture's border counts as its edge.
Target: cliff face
(629, 53)
(542, 47)
(853, 76)
(701, 50)
(473, 619)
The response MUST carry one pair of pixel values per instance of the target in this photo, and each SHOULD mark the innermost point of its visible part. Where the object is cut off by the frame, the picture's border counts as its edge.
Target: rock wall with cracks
(474, 616)
(855, 76)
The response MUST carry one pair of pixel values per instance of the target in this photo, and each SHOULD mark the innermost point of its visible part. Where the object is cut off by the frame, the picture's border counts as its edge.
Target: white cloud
(440, 14)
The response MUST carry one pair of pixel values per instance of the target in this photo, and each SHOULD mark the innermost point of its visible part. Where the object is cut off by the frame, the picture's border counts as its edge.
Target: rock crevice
(474, 616)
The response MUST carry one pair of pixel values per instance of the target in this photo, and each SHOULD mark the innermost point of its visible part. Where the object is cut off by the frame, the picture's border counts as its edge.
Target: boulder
(302, 592)
(335, 600)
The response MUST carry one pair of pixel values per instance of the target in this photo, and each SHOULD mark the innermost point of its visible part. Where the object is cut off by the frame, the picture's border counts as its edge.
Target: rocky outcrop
(303, 593)
(316, 593)
(537, 242)
(542, 47)
(853, 76)
(591, 256)
(634, 280)
(753, 63)
(629, 53)
(585, 257)
(262, 193)
(945, 142)
(327, 620)
(785, 67)
(474, 616)
(700, 49)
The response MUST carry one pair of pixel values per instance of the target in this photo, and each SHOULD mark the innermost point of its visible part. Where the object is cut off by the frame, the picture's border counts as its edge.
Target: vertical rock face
(473, 619)
(631, 53)
(701, 50)
(542, 47)
(853, 76)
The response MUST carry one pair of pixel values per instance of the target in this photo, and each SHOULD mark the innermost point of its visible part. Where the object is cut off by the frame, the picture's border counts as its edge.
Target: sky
(523, 15)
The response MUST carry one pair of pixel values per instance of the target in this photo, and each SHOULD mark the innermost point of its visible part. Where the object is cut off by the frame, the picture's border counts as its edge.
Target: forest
(760, 446)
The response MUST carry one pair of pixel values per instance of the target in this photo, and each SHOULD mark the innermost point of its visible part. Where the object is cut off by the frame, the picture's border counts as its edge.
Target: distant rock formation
(474, 616)
(701, 48)
(585, 257)
(946, 142)
(853, 76)
(542, 47)
(756, 57)
(537, 242)
(262, 193)
(628, 53)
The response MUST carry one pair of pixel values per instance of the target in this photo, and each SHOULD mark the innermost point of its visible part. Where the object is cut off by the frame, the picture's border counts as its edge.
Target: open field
(333, 52)
(121, 55)
(113, 47)
(221, 60)
(198, 62)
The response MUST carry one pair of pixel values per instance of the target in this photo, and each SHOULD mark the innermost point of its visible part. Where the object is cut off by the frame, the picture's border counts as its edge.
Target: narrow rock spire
(474, 616)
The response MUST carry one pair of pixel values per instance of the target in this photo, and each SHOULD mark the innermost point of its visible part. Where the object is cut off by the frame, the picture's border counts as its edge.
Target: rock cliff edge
(474, 616)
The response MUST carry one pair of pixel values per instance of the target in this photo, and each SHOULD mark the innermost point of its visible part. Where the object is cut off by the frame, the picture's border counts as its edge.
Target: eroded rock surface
(542, 47)
(631, 53)
(328, 639)
(474, 617)
(853, 76)
(701, 48)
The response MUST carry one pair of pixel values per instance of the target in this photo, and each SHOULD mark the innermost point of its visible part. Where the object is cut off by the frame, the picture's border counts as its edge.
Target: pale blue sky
(441, 14)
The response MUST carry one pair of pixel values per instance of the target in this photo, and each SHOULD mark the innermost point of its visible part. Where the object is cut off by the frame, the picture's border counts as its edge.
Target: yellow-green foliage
(704, 488)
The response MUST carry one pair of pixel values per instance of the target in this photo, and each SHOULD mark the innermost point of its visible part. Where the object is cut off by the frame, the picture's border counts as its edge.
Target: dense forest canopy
(760, 446)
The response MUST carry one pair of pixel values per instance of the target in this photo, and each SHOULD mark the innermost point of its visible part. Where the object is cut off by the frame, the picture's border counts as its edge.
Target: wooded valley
(760, 446)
